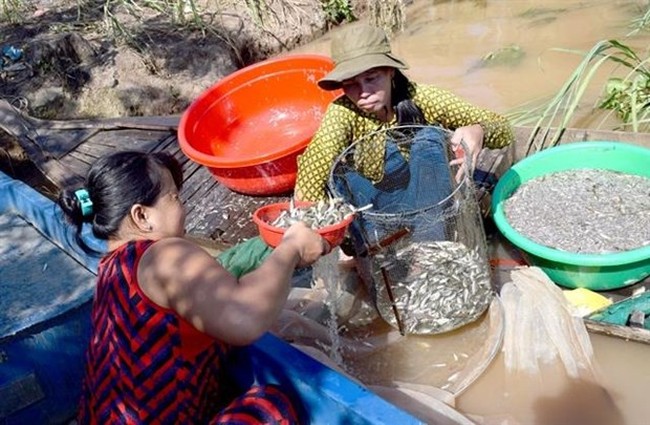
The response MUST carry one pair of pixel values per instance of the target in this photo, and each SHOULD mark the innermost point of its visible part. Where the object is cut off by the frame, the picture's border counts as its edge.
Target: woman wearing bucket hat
(378, 95)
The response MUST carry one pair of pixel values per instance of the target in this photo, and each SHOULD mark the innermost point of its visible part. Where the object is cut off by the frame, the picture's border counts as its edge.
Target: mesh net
(421, 247)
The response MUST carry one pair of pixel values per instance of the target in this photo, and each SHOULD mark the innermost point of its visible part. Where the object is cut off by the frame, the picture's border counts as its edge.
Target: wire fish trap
(421, 248)
(436, 286)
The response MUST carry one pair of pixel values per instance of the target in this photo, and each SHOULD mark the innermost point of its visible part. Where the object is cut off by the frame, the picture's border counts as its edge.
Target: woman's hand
(472, 137)
(311, 246)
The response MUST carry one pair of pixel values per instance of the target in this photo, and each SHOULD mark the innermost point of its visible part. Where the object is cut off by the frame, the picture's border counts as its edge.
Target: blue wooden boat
(47, 285)
(40, 367)
(47, 288)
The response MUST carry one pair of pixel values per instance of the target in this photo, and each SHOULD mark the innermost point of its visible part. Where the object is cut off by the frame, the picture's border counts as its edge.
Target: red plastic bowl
(272, 235)
(249, 127)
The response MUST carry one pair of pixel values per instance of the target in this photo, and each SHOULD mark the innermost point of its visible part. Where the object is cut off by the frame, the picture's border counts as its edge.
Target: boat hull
(41, 371)
(42, 355)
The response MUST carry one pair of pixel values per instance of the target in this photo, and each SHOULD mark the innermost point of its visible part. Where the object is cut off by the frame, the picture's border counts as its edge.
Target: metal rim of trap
(403, 214)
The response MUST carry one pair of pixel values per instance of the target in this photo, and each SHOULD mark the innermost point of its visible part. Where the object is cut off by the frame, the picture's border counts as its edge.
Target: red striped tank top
(145, 364)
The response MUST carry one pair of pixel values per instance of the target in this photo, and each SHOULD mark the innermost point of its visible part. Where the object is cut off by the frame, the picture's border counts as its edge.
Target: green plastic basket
(592, 271)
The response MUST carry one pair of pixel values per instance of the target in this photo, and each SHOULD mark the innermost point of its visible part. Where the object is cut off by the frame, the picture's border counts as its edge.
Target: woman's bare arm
(175, 273)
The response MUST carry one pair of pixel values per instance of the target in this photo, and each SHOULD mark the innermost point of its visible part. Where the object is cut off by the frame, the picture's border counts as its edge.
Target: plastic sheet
(540, 327)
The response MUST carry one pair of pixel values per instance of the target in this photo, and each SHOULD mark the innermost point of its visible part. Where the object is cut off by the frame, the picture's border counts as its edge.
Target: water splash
(326, 272)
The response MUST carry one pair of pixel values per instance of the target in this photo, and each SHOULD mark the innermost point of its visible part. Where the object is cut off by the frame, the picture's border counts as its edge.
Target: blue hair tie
(86, 204)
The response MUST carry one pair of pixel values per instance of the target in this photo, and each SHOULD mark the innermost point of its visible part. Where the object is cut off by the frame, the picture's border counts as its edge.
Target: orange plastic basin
(272, 235)
(250, 126)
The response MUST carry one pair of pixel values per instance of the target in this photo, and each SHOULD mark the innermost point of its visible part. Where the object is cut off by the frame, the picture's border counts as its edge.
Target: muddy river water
(553, 399)
(444, 42)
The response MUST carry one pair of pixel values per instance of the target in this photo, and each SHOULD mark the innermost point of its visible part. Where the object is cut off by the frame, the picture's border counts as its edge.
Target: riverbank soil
(66, 59)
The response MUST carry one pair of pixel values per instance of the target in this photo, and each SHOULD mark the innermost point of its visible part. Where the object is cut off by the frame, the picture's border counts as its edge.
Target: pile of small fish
(590, 211)
(437, 286)
(317, 215)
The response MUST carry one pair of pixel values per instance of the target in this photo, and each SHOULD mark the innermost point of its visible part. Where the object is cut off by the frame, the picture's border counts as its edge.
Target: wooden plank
(89, 151)
(208, 215)
(107, 141)
(74, 167)
(154, 123)
(189, 167)
(223, 215)
(82, 157)
(197, 184)
(42, 143)
(58, 143)
(175, 150)
(164, 144)
(13, 122)
(53, 169)
(129, 139)
(625, 332)
(95, 150)
(241, 225)
(151, 123)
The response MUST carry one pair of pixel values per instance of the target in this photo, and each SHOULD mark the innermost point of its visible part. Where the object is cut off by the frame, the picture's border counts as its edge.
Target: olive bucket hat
(357, 50)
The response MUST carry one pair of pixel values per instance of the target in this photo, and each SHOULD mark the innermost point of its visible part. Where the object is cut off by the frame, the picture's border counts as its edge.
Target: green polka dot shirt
(344, 124)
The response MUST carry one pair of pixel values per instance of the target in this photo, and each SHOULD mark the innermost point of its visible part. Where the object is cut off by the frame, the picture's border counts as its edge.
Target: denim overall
(409, 196)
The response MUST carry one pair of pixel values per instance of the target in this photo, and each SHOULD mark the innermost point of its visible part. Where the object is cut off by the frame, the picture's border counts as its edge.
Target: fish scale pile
(589, 211)
(318, 215)
(437, 286)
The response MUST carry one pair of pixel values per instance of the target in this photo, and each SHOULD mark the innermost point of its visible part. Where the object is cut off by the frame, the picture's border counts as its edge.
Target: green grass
(627, 96)
(178, 13)
(338, 11)
(641, 23)
(12, 11)
(626, 93)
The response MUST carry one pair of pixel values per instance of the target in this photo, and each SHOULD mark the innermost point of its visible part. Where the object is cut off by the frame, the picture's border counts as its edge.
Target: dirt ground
(72, 66)
(65, 59)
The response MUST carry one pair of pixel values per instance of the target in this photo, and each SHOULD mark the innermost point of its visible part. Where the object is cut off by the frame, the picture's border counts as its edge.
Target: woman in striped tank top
(165, 312)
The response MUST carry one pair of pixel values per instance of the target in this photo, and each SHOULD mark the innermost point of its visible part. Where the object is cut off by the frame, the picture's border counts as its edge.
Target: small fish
(603, 211)
(316, 216)
(454, 290)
